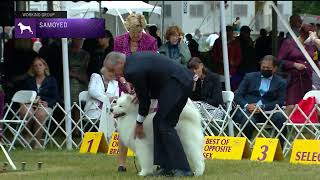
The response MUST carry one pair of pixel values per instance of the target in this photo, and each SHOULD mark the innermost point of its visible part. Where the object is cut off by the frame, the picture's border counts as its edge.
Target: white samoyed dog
(188, 128)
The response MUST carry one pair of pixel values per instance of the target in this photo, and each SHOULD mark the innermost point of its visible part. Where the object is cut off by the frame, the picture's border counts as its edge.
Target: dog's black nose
(111, 110)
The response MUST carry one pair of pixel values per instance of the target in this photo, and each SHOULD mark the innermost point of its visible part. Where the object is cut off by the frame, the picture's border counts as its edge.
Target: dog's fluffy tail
(192, 113)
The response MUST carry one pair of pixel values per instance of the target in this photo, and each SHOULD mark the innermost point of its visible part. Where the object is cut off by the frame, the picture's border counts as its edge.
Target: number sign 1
(93, 142)
(267, 150)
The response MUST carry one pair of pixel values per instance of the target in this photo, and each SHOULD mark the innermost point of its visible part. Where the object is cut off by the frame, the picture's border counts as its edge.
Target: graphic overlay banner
(59, 28)
(25, 28)
(40, 14)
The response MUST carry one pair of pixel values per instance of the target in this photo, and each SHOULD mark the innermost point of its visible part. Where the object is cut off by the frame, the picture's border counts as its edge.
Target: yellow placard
(305, 151)
(267, 150)
(114, 146)
(233, 148)
(93, 142)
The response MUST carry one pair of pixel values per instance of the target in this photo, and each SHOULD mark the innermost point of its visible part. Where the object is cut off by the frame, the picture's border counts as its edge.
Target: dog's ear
(129, 97)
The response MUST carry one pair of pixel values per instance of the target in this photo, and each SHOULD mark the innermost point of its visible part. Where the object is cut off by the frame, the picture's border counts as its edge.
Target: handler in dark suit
(155, 76)
(264, 89)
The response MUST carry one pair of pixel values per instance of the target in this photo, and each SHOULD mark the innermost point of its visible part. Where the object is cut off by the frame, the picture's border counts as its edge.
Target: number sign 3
(266, 150)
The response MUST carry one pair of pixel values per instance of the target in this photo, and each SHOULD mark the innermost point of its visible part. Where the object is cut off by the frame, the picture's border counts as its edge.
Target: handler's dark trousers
(168, 150)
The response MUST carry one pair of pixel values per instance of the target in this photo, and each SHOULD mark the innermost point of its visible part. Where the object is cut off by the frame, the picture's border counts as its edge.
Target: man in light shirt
(262, 89)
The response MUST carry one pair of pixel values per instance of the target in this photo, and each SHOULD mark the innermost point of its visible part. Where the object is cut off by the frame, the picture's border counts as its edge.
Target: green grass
(72, 165)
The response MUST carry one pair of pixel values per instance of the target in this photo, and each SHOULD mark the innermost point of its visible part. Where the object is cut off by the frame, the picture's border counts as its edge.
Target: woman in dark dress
(297, 67)
(207, 88)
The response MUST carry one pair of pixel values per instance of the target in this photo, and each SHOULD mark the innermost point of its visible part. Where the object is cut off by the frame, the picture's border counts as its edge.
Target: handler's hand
(138, 132)
(135, 100)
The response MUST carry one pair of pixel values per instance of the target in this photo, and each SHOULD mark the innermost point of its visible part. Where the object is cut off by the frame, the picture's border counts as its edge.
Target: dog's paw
(141, 173)
(144, 173)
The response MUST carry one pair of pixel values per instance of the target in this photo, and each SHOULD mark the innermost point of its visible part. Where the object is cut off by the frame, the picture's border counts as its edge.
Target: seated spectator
(153, 32)
(281, 38)
(91, 45)
(261, 44)
(295, 24)
(200, 39)
(193, 46)
(46, 86)
(97, 56)
(78, 65)
(212, 38)
(314, 40)
(249, 63)
(206, 88)
(101, 89)
(175, 48)
(234, 55)
(236, 26)
(264, 89)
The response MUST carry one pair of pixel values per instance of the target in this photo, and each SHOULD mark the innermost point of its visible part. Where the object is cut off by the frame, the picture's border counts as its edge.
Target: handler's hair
(270, 58)
(114, 58)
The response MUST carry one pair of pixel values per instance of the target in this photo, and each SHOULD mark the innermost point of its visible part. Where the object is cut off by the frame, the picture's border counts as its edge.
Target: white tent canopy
(114, 6)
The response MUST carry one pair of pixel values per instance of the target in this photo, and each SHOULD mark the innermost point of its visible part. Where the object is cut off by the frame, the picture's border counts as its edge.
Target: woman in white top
(101, 90)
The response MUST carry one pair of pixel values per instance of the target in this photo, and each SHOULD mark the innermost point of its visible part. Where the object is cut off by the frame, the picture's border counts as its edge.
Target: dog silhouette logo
(24, 27)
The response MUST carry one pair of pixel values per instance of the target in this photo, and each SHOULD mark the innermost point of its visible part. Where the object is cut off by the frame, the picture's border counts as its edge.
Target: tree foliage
(308, 7)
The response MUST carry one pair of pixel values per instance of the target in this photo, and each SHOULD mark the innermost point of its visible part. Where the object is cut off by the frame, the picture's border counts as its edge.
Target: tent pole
(274, 32)
(66, 89)
(122, 20)
(162, 22)
(225, 57)
(100, 12)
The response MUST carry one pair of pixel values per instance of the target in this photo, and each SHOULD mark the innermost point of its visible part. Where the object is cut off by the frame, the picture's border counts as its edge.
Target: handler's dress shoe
(122, 169)
(161, 172)
(181, 173)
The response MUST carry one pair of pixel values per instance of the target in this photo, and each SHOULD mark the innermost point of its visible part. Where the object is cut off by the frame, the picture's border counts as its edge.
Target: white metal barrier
(55, 135)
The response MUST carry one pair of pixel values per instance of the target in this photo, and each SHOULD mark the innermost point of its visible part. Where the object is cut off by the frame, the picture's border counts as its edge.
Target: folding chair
(211, 123)
(21, 97)
(313, 128)
(8, 157)
(266, 128)
(46, 128)
(83, 97)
